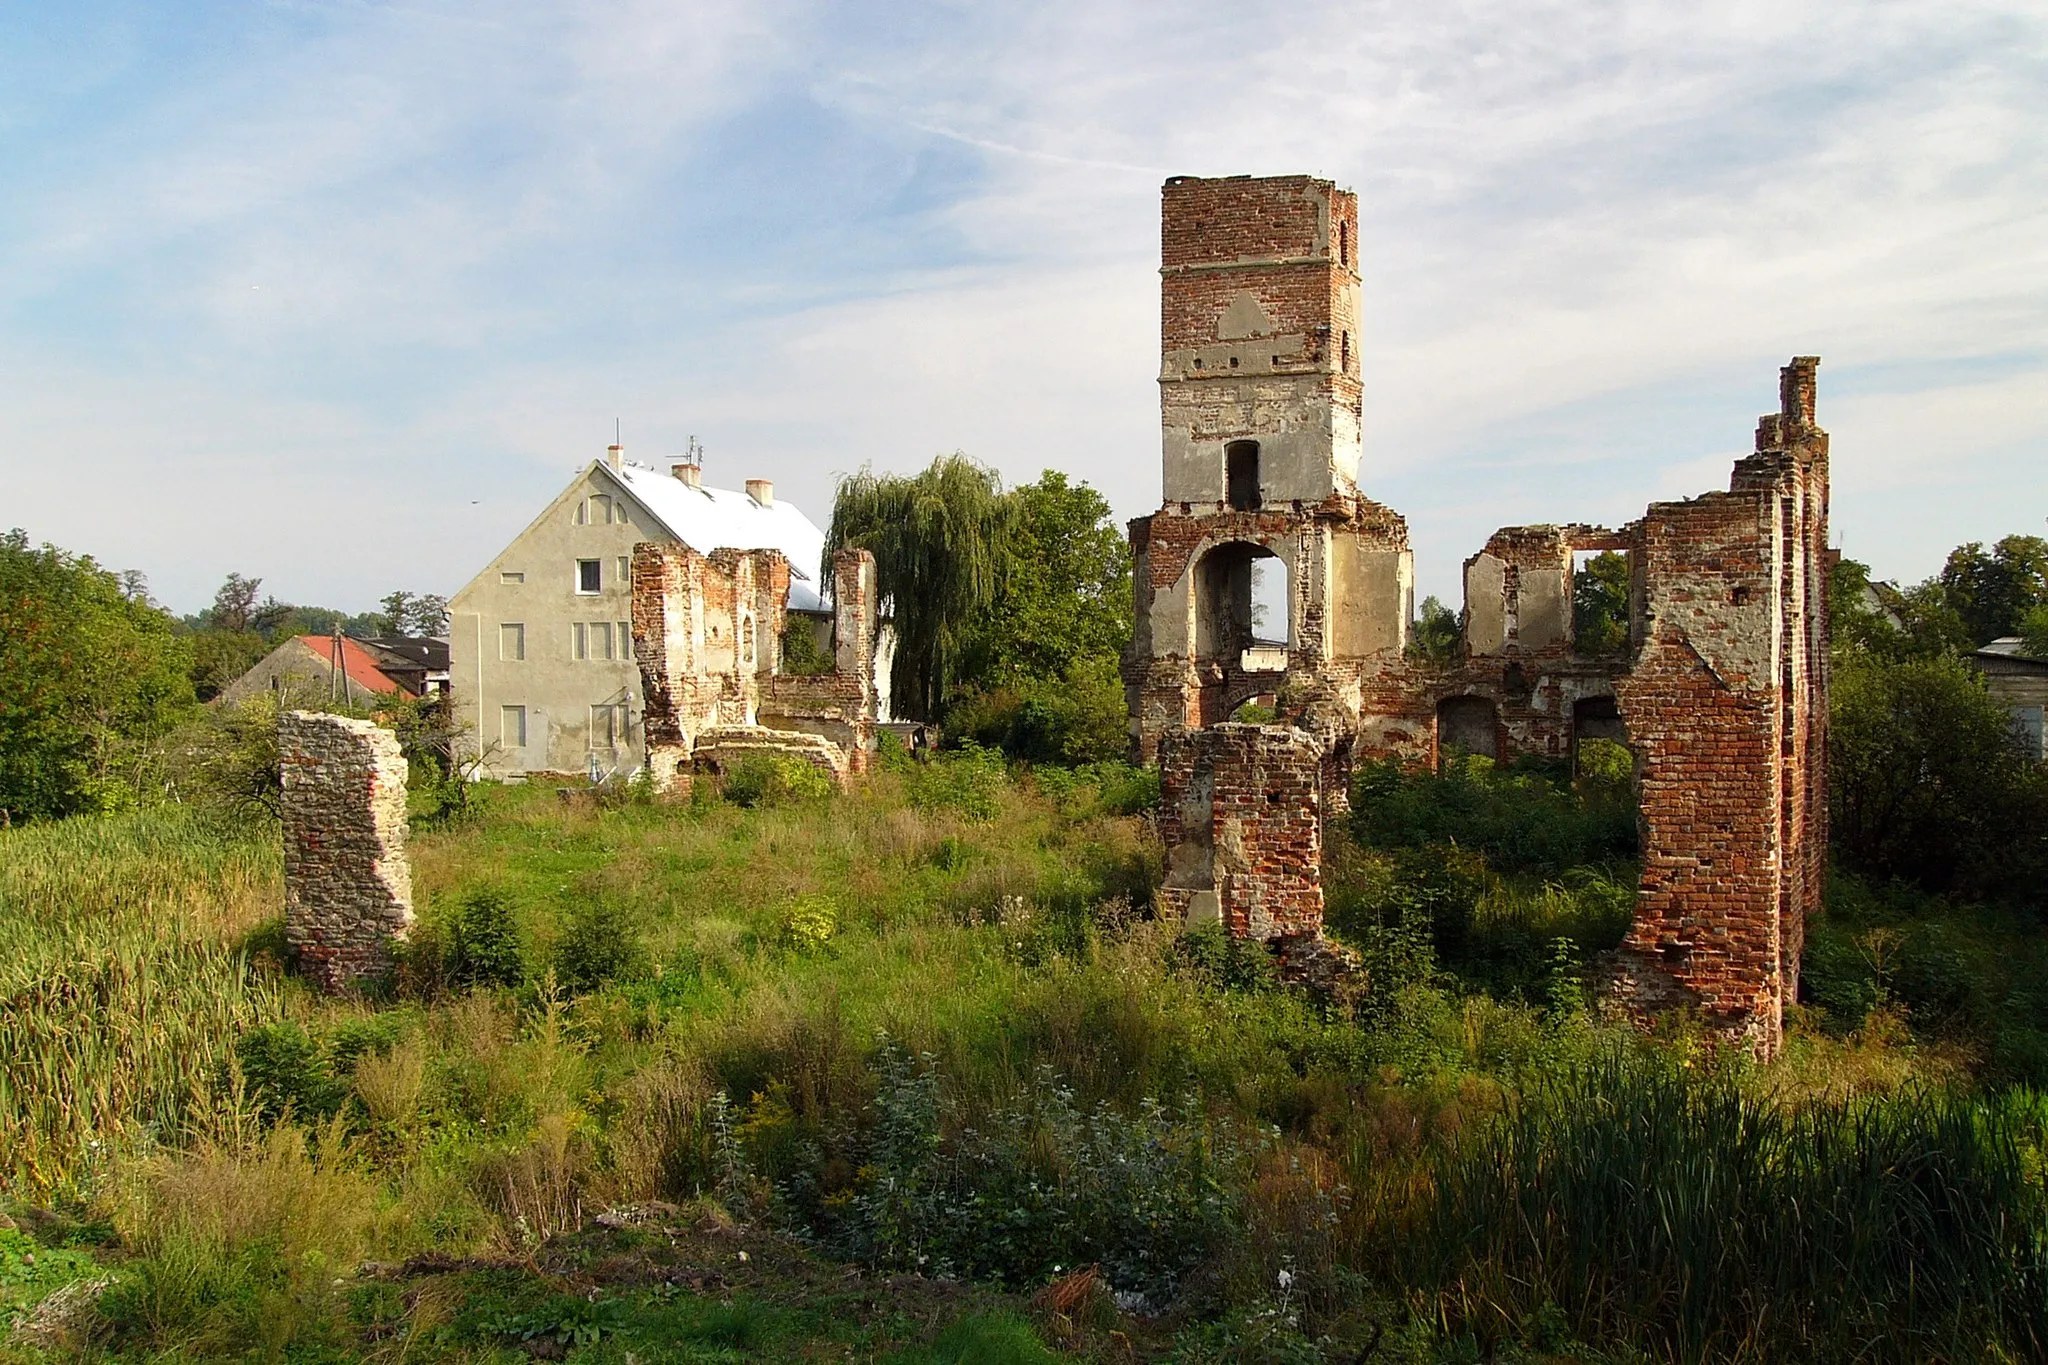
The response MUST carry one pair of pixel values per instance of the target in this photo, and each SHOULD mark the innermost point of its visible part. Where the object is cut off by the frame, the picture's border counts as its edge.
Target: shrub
(598, 943)
(774, 780)
(970, 780)
(1521, 817)
(287, 1072)
(483, 946)
(809, 923)
(1039, 1183)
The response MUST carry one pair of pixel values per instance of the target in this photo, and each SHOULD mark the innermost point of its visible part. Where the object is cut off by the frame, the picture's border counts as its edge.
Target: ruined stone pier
(347, 883)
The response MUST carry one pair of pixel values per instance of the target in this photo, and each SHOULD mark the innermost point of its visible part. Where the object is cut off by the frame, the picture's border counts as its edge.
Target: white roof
(707, 519)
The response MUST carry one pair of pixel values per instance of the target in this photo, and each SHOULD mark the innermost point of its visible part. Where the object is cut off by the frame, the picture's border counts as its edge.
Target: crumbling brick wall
(1722, 691)
(1241, 817)
(707, 632)
(347, 884)
(1727, 704)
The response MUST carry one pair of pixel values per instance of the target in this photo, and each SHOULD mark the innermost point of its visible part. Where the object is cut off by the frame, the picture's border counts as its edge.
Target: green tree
(1928, 782)
(1068, 597)
(2034, 631)
(941, 542)
(1992, 591)
(88, 679)
(1437, 636)
(1600, 594)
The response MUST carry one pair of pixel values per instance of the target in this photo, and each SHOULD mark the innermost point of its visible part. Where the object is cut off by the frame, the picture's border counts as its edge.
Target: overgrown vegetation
(929, 1029)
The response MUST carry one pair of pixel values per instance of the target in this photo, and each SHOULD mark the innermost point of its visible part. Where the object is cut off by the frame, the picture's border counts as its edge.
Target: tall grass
(1696, 1220)
(122, 985)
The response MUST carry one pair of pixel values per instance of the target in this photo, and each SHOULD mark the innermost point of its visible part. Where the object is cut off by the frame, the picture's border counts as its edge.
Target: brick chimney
(690, 474)
(762, 491)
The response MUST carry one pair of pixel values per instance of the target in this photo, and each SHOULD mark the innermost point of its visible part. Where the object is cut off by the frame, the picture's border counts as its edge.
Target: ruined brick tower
(1719, 690)
(1260, 406)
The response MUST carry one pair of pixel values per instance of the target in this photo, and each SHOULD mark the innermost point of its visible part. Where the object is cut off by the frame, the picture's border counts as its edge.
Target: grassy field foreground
(911, 1074)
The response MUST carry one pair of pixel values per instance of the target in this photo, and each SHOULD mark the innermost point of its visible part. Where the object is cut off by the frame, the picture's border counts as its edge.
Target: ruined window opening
(1600, 746)
(1344, 244)
(1600, 596)
(1241, 475)
(1467, 726)
(1243, 608)
(1345, 363)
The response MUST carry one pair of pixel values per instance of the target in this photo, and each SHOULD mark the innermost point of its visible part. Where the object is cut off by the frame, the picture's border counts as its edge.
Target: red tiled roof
(362, 670)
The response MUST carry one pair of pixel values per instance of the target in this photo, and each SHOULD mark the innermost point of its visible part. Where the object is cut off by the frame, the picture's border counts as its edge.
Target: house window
(607, 726)
(625, 639)
(579, 641)
(2033, 727)
(589, 575)
(511, 576)
(512, 726)
(512, 640)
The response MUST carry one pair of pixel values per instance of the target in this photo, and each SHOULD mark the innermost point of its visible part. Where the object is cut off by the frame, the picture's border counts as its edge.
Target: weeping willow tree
(941, 542)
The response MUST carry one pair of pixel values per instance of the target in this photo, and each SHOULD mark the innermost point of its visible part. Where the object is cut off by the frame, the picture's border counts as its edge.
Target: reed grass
(123, 984)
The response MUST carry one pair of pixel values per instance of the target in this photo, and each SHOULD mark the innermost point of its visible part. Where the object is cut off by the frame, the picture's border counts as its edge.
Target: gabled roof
(356, 662)
(416, 652)
(707, 519)
(2010, 648)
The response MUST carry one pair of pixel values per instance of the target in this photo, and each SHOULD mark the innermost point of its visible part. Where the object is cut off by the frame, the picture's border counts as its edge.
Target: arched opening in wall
(1241, 475)
(1243, 608)
(1600, 746)
(1467, 725)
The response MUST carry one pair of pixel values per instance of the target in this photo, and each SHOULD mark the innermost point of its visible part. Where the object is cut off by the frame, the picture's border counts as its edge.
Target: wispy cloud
(402, 263)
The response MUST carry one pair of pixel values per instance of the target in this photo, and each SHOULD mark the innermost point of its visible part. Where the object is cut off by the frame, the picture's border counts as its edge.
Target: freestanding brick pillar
(347, 884)
(1241, 816)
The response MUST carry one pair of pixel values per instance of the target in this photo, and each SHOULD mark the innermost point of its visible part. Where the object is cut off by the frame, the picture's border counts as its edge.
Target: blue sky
(338, 293)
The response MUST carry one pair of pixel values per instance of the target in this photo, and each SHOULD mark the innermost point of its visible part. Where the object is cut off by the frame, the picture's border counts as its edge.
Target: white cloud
(365, 273)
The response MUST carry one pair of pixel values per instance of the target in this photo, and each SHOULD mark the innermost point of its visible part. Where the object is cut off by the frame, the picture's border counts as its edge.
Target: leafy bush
(1521, 817)
(1928, 781)
(483, 946)
(287, 1072)
(970, 780)
(1040, 1183)
(599, 943)
(809, 923)
(1076, 718)
(774, 780)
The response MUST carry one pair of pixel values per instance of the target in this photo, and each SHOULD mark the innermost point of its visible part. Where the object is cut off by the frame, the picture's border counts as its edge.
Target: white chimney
(690, 474)
(762, 491)
(615, 455)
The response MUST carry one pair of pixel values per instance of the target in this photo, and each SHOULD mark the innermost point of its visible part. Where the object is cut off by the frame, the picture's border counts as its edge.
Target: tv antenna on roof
(694, 453)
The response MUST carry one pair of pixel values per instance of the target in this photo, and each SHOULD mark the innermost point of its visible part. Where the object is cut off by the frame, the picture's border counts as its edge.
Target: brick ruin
(347, 884)
(708, 630)
(1720, 690)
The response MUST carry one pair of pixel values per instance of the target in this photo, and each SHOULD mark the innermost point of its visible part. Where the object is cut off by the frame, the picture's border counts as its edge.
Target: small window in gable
(511, 576)
(600, 509)
(589, 575)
